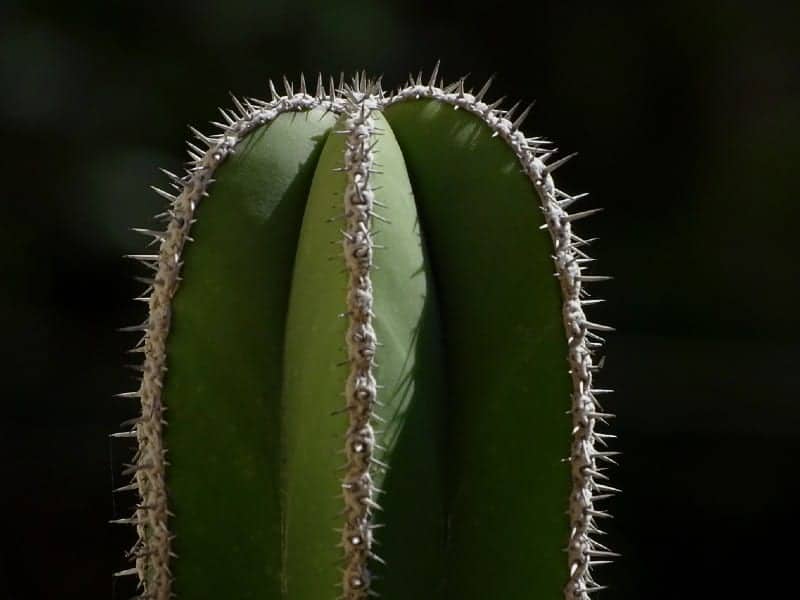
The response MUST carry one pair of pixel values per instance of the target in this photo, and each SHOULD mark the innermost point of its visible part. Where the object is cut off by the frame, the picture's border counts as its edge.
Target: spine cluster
(361, 387)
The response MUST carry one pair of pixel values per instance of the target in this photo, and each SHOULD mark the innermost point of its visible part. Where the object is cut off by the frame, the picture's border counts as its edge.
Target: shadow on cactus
(360, 375)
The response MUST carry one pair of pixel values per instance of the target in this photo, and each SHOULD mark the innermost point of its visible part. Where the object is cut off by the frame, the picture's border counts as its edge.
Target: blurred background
(686, 118)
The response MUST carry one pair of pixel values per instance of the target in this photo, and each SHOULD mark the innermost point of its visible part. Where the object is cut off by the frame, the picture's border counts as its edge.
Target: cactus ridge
(585, 458)
(151, 552)
(361, 387)
(356, 101)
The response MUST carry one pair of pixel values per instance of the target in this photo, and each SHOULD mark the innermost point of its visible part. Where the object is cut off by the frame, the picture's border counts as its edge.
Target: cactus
(360, 374)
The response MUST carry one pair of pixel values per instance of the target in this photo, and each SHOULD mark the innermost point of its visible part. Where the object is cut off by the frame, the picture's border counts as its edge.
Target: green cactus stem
(367, 368)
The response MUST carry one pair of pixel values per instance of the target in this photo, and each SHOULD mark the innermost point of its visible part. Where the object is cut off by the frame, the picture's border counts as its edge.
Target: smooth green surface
(506, 356)
(472, 364)
(224, 358)
(312, 390)
(411, 369)
(405, 323)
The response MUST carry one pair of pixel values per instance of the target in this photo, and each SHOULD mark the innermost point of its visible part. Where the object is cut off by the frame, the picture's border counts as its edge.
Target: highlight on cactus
(367, 370)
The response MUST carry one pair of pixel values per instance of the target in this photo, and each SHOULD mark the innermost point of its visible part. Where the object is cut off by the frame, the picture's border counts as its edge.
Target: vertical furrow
(361, 419)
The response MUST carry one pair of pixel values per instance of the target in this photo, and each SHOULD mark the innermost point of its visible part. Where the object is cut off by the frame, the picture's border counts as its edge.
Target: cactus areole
(367, 368)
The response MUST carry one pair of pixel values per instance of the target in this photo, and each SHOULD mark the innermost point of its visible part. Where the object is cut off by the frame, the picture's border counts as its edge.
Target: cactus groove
(367, 367)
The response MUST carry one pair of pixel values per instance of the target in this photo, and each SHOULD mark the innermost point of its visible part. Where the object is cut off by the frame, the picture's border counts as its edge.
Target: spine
(361, 388)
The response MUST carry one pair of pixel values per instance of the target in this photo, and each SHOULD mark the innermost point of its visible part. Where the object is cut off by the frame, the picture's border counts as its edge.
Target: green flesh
(409, 370)
(224, 359)
(505, 353)
(474, 373)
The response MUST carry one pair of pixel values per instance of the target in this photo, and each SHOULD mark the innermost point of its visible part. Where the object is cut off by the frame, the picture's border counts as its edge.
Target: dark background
(686, 118)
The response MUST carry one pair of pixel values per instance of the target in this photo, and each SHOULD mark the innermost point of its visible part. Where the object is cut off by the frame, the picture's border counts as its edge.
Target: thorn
(569, 200)
(162, 193)
(448, 89)
(141, 327)
(228, 119)
(577, 242)
(484, 89)
(256, 101)
(600, 415)
(159, 235)
(607, 488)
(594, 278)
(432, 80)
(149, 260)
(510, 112)
(273, 92)
(242, 110)
(582, 215)
(320, 92)
(597, 326)
(591, 301)
(303, 85)
(174, 178)
(602, 391)
(288, 87)
(521, 118)
(381, 464)
(126, 488)
(200, 136)
(554, 165)
(196, 149)
(607, 453)
(546, 156)
(496, 103)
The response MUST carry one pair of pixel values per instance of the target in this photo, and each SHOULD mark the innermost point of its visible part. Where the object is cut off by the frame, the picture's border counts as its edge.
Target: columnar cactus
(361, 376)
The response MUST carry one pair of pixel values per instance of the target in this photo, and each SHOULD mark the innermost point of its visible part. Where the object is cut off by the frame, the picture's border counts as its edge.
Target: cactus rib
(152, 550)
(361, 387)
(582, 342)
(355, 105)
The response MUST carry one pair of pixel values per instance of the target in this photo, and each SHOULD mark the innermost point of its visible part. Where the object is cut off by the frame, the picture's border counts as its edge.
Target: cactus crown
(360, 109)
